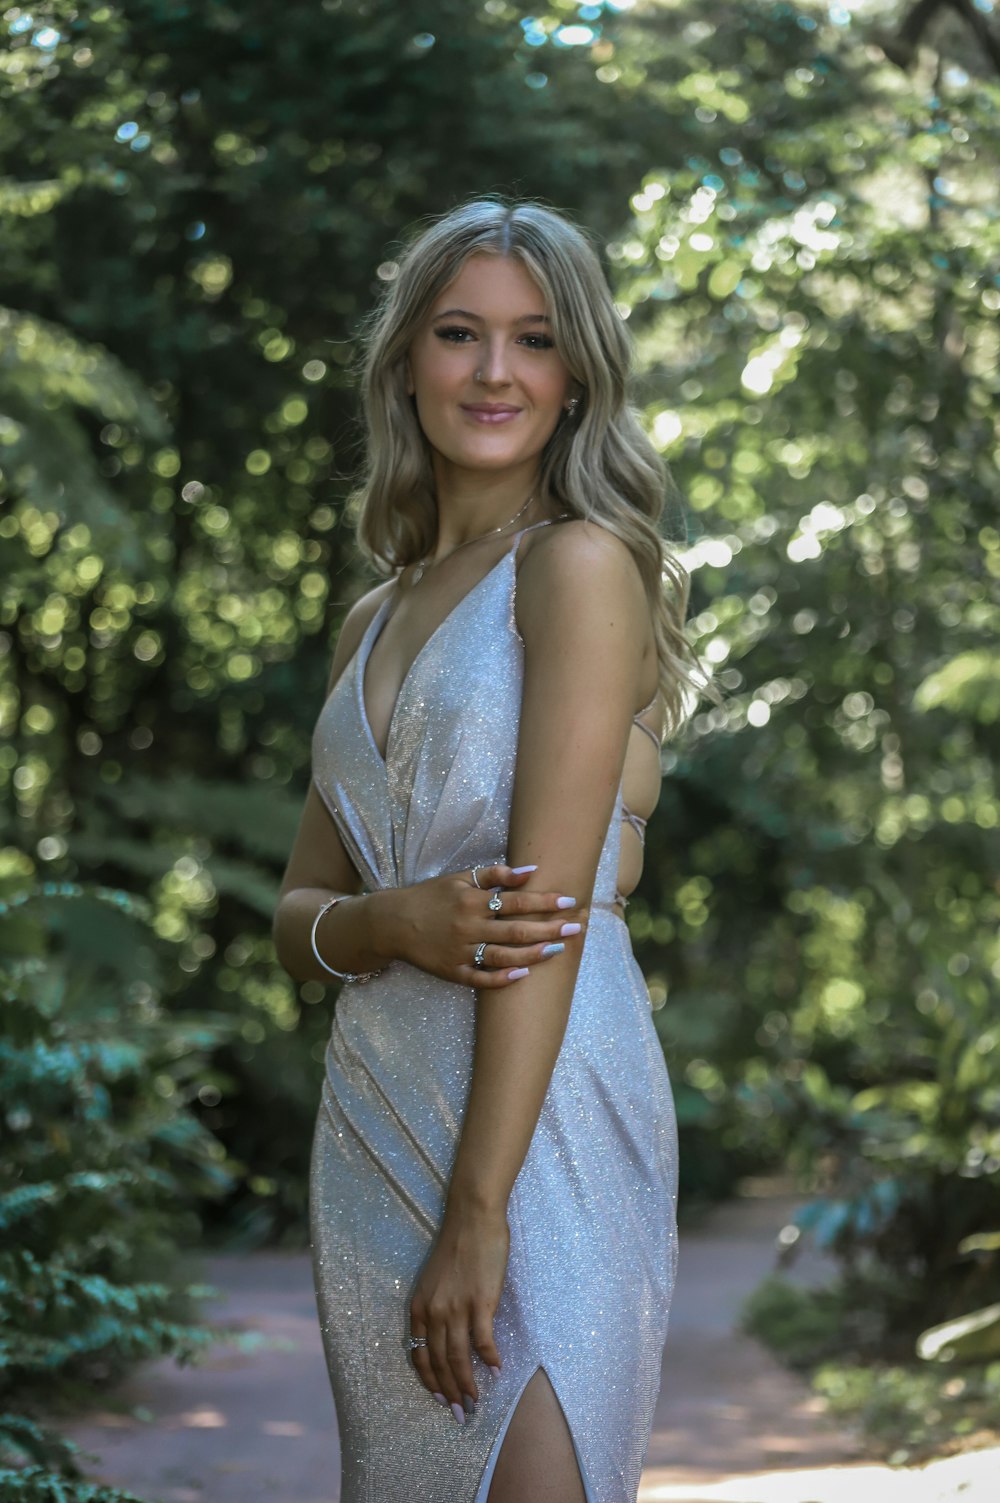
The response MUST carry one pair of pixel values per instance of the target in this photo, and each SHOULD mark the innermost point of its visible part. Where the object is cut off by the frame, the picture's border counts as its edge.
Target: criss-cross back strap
(648, 729)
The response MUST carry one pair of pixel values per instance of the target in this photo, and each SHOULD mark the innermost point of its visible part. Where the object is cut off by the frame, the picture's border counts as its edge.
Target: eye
(540, 342)
(453, 333)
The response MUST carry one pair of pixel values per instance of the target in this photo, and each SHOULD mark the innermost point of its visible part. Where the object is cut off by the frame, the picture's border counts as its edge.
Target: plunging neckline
(371, 636)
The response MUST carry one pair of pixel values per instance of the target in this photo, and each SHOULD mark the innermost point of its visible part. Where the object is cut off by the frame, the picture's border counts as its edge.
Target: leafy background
(798, 213)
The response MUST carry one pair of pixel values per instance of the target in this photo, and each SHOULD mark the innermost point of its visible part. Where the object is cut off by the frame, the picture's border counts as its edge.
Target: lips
(490, 412)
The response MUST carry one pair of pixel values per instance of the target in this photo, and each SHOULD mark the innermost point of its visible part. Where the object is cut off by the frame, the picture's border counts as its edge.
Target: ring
(495, 903)
(475, 879)
(416, 1341)
(477, 959)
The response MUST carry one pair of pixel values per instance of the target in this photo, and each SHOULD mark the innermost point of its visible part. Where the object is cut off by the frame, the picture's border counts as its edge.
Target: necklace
(425, 563)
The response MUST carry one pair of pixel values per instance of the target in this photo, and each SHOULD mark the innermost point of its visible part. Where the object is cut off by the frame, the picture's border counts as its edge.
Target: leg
(537, 1462)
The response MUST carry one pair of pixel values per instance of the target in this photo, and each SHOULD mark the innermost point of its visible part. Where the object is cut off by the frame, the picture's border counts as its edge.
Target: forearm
(519, 1032)
(355, 935)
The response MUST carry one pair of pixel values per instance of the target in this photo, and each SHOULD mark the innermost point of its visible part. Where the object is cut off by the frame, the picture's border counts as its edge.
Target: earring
(572, 405)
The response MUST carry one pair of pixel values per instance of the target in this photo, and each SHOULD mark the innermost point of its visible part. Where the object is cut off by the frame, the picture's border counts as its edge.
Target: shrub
(101, 1160)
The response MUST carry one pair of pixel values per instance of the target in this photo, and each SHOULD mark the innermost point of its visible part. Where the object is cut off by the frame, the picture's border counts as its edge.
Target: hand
(442, 920)
(454, 1303)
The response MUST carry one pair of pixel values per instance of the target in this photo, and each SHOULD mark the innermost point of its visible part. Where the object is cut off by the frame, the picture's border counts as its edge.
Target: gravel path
(731, 1426)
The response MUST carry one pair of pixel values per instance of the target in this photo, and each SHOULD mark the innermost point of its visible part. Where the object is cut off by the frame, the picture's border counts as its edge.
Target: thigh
(537, 1462)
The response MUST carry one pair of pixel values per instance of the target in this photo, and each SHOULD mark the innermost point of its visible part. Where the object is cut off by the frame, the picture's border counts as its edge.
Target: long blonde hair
(599, 464)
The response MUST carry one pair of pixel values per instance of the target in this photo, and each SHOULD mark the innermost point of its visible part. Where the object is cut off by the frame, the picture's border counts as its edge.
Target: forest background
(797, 209)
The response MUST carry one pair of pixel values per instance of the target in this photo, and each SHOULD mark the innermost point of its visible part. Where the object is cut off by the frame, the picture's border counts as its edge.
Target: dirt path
(731, 1426)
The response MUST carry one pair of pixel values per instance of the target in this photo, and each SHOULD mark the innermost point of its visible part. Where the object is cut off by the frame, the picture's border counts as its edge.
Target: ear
(410, 387)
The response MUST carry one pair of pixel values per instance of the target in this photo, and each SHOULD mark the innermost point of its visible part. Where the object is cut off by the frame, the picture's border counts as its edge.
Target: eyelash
(544, 342)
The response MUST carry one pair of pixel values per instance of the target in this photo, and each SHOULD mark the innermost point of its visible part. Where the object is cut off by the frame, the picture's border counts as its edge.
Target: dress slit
(486, 1479)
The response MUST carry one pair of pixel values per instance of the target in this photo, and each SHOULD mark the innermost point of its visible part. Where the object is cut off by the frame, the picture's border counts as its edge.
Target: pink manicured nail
(441, 1399)
(494, 1370)
(517, 870)
(570, 928)
(517, 973)
(458, 1412)
(565, 902)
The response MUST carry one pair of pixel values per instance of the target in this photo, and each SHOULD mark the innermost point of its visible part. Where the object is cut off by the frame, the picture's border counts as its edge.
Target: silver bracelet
(340, 975)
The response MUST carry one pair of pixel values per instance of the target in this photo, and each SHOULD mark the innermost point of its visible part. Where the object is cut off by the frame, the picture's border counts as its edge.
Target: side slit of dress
(482, 1494)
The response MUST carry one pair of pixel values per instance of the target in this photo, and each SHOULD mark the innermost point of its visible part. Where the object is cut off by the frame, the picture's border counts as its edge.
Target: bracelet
(340, 975)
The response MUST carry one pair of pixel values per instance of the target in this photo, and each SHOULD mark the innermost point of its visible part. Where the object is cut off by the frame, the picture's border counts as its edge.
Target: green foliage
(211, 199)
(970, 1337)
(801, 1325)
(910, 1413)
(38, 1467)
(814, 293)
(838, 1335)
(102, 1163)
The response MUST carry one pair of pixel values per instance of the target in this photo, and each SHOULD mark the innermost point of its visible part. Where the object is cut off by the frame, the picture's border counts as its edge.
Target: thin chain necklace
(425, 563)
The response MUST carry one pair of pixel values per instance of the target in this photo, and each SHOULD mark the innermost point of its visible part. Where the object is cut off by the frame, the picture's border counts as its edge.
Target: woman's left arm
(583, 617)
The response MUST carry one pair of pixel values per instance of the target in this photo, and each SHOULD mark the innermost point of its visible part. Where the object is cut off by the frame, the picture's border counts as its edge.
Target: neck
(470, 503)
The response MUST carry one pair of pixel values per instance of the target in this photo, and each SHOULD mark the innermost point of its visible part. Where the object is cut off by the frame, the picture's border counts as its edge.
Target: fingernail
(517, 973)
(458, 1412)
(470, 1404)
(517, 870)
(570, 929)
(494, 1370)
(552, 949)
(441, 1399)
(565, 902)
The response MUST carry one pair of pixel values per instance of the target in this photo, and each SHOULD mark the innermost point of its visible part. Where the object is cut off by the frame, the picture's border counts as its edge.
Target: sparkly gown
(592, 1214)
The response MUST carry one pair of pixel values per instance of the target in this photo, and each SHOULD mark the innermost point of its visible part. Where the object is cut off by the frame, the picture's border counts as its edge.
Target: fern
(100, 1153)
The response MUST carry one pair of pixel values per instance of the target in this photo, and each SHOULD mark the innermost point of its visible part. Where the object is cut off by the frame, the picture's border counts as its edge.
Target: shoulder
(578, 570)
(354, 626)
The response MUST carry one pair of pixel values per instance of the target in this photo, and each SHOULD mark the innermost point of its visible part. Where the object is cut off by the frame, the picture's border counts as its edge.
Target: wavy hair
(598, 464)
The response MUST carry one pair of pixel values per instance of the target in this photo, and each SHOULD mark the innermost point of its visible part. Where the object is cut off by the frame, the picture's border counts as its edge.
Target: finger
(487, 981)
(537, 902)
(425, 1372)
(520, 931)
(500, 875)
(421, 1361)
(460, 1359)
(510, 957)
(437, 1347)
(482, 1338)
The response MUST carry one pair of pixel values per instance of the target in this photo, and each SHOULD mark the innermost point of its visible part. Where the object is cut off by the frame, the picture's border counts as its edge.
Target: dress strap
(649, 731)
(637, 821)
(545, 522)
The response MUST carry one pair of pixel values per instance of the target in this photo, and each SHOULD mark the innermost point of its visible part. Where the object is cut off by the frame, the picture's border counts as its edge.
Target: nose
(494, 365)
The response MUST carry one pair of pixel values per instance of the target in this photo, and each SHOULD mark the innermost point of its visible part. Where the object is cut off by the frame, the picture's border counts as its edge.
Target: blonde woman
(494, 1170)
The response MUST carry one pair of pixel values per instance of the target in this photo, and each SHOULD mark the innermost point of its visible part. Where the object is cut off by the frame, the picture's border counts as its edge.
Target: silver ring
(475, 879)
(477, 959)
(495, 903)
(416, 1341)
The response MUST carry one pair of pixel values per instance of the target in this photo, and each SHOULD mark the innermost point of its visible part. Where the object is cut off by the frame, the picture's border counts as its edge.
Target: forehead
(492, 286)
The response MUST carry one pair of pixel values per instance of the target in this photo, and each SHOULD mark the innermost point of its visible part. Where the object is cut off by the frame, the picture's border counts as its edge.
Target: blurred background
(797, 206)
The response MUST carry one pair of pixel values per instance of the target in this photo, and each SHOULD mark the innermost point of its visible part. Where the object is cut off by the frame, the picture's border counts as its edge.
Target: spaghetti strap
(641, 724)
(546, 522)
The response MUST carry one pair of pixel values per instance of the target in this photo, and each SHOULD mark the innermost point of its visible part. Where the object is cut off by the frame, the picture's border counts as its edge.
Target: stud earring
(572, 405)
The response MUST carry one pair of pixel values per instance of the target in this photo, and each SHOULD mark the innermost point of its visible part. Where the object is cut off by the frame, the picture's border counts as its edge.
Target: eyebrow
(528, 318)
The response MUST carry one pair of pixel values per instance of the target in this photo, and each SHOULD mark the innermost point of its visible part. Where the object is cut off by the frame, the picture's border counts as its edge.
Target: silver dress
(592, 1214)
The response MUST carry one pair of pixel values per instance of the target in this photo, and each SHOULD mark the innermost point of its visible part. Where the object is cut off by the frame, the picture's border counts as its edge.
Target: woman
(494, 1170)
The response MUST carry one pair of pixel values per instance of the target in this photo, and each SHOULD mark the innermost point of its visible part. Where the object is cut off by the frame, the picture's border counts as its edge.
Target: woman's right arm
(434, 925)
(319, 867)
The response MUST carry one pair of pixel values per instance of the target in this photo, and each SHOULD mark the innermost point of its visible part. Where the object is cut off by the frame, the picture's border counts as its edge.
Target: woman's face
(489, 384)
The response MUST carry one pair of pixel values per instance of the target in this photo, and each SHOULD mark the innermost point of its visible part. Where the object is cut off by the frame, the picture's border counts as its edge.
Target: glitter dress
(592, 1214)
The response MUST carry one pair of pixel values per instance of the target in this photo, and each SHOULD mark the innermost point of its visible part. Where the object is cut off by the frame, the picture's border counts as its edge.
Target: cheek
(438, 366)
(550, 388)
